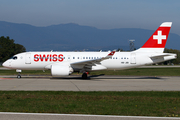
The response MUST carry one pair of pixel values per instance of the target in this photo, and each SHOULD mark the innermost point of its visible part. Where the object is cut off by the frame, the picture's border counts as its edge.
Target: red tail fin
(159, 38)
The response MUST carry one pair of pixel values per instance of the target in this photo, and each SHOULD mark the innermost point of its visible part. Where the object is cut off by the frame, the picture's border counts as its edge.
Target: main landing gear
(19, 73)
(84, 75)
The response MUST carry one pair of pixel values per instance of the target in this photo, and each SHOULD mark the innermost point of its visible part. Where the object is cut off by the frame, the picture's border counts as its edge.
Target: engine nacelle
(61, 70)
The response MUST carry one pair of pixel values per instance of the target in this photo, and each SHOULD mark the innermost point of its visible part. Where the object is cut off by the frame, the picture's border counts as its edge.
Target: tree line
(8, 48)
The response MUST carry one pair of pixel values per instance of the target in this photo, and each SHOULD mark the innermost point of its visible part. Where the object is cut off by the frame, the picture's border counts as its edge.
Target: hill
(67, 37)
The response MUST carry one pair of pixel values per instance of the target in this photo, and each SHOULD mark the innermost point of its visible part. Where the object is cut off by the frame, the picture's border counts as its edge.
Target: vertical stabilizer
(156, 43)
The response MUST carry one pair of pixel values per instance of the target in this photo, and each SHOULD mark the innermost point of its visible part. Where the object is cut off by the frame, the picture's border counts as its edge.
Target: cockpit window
(14, 57)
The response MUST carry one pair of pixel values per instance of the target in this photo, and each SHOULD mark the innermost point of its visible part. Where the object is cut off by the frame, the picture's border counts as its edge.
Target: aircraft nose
(5, 64)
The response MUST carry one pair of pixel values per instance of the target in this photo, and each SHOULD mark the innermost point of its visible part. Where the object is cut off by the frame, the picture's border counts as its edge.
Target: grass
(102, 103)
(129, 72)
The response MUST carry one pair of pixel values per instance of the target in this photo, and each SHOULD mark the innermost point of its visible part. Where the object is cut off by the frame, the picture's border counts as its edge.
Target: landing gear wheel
(84, 76)
(18, 76)
(19, 73)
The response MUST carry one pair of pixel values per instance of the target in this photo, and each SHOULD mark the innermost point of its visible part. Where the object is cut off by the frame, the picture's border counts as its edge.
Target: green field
(151, 103)
(100, 103)
(133, 72)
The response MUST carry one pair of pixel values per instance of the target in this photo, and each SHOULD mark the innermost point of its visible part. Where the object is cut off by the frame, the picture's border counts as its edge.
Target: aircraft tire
(84, 76)
(18, 76)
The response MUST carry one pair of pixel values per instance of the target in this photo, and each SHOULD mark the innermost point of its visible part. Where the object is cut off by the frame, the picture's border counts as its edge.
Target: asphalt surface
(94, 83)
(36, 116)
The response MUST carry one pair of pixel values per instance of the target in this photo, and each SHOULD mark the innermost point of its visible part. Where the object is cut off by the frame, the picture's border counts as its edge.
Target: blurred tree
(119, 49)
(8, 48)
(175, 61)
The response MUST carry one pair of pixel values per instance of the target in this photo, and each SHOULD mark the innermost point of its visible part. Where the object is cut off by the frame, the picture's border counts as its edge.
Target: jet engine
(61, 70)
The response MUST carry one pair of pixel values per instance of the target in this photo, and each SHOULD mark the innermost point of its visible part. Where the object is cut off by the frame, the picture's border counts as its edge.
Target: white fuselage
(120, 60)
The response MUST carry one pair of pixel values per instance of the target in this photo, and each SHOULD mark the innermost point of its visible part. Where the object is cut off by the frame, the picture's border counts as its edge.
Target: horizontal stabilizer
(162, 55)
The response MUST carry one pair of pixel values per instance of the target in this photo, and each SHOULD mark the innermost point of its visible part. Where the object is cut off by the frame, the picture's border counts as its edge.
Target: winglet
(111, 54)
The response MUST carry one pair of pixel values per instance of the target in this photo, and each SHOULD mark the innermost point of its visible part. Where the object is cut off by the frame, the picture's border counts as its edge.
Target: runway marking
(79, 115)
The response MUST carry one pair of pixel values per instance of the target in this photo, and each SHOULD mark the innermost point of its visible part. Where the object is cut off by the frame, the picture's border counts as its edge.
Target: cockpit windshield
(14, 58)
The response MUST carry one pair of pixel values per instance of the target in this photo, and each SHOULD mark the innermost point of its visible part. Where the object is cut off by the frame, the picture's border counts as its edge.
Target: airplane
(65, 63)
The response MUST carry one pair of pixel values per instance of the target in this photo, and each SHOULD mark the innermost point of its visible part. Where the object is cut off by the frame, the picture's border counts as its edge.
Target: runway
(94, 83)
(44, 116)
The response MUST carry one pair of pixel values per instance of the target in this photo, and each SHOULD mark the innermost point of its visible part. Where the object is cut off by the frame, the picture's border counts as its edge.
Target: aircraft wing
(90, 63)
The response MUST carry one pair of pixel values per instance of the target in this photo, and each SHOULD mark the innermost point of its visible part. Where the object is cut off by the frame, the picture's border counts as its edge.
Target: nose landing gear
(19, 75)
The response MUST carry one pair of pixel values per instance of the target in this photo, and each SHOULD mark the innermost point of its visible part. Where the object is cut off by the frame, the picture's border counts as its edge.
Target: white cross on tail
(159, 37)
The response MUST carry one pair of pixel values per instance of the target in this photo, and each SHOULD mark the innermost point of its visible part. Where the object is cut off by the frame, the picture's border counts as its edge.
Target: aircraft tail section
(156, 43)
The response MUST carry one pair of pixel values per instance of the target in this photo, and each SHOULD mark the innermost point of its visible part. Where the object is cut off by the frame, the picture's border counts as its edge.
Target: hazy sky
(103, 14)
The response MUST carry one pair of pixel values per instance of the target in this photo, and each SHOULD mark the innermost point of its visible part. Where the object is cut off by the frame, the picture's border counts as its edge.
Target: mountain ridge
(72, 37)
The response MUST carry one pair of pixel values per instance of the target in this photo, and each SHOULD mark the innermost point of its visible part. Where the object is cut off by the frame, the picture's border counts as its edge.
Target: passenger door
(28, 58)
(133, 58)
